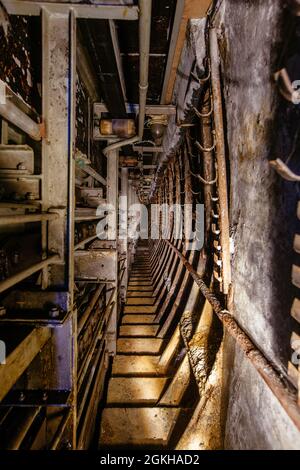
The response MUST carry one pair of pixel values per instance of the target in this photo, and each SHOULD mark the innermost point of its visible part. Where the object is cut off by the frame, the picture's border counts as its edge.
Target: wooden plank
(20, 358)
(192, 9)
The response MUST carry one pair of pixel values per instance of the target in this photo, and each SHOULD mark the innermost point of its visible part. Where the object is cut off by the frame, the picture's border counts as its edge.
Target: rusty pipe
(145, 8)
(220, 156)
(263, 366)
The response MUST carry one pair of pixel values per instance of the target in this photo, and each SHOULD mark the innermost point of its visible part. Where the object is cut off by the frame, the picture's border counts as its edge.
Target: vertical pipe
(220, 156)
(112, 199)
(145, 7)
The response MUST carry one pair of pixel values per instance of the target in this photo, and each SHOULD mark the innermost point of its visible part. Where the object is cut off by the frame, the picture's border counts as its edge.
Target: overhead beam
(137, 148)
(168, 110)
(188, 9)
(109, 12)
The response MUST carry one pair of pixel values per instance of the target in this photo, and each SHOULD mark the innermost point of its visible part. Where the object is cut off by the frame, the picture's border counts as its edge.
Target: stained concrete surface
(262, 218)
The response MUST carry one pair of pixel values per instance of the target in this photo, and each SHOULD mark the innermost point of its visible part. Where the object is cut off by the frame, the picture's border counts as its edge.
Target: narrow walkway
(142, 408)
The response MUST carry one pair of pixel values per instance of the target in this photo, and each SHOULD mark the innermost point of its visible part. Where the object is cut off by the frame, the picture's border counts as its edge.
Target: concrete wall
(262, 216)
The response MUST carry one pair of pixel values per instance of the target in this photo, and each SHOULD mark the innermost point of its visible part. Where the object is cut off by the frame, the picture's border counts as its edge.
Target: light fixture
(158, 124)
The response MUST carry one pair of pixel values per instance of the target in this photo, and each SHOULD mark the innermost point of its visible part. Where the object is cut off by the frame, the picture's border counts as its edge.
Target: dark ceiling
(98, 40)
(162, 19)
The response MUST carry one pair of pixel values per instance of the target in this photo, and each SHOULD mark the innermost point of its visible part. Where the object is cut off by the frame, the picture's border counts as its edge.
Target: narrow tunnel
(149, 225)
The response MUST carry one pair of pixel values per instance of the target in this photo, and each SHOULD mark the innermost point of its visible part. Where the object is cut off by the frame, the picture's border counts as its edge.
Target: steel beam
(168, 110)
(109, 12)
(173, 43)
(138, 148)
(96, 264)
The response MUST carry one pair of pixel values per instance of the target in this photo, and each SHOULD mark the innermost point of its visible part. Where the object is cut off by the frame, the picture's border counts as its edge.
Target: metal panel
(16, 157)
(96, 265)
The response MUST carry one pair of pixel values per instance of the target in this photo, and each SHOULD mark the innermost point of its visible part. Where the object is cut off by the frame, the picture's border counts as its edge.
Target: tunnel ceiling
(162, 19)
(99, 41)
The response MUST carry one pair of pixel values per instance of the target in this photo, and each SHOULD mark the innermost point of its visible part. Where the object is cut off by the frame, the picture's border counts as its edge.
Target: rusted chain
(203, 115)
(203, 180)
(196, 193)
(264, 367)
(204, 79)
(203, 149)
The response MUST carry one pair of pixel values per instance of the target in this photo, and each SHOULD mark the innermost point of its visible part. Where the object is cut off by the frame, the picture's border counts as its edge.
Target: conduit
(145, 7)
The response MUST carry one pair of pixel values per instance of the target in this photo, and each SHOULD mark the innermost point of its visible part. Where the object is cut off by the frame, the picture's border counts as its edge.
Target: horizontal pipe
(93, 173)
(85, 242)
(89, 309)
(20, 276)
(60, 430)
(88, 356)
(23, 429)
(263, 366)
(10, 112)
(26, 218)
(87, 386)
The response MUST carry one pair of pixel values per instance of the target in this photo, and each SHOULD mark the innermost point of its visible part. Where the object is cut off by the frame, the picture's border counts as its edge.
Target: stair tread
(137, 426)
(140, 301)
(139, 345)
(138, 330)
(135, 365)
(138, 319)
(140, 309)
(137, 390)
(140, 283)
(140, 295)
(141, 288)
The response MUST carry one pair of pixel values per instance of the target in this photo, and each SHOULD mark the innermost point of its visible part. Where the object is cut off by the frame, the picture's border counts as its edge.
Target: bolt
(2, 311)
(30, 196)
(21, 166)
(45, 396)
(22, 396)
(54, 312)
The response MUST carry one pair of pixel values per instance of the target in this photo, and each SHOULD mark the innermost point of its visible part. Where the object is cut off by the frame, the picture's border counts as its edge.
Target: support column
(59, 82)
(112, 199)
(124, 239)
